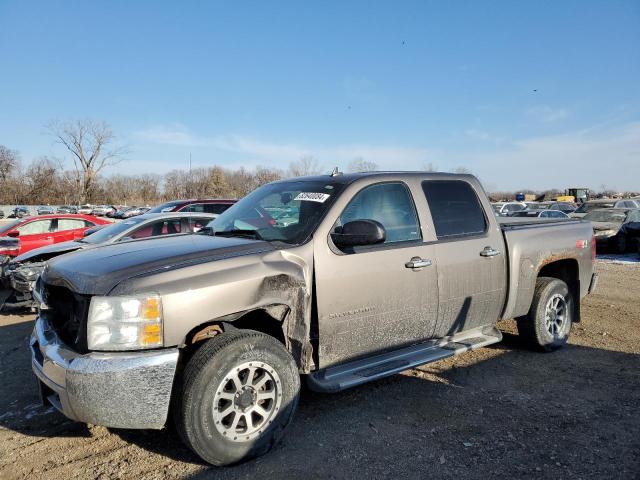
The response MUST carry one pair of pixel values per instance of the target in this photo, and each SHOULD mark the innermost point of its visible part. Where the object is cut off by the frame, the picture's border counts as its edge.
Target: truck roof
(346, 178)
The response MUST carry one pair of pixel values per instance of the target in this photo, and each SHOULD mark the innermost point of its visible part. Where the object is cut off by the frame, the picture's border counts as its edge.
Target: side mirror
(13, 234)
(359, 233)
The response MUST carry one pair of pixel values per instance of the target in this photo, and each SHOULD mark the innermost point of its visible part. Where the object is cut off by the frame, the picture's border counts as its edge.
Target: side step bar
(364, 370)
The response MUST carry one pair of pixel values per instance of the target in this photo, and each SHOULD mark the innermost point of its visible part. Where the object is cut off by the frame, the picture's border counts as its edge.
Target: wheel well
(260, 320)
(566, 270)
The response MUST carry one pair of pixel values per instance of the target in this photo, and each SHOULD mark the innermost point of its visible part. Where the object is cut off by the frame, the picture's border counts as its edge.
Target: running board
(364, 370)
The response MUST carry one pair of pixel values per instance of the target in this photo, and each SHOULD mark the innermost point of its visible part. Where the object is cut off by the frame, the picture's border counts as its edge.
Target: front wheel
(548, 324)
(240, 391)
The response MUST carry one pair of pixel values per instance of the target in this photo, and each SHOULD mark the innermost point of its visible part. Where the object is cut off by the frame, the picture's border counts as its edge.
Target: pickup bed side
(532, 255)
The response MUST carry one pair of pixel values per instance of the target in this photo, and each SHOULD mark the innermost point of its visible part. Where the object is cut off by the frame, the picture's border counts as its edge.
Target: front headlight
(605, 233)
(125, 323)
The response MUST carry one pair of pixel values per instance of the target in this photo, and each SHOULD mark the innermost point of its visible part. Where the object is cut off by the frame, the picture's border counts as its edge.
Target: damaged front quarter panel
(277, 282)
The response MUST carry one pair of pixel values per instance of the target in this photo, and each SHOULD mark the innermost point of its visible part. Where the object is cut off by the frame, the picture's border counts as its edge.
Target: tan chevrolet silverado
(338, 280)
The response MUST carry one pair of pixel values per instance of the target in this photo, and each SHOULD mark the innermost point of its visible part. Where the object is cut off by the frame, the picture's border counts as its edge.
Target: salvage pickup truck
(368, 275)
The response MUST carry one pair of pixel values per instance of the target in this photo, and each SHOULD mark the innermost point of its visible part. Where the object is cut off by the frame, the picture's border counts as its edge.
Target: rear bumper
(122, 390)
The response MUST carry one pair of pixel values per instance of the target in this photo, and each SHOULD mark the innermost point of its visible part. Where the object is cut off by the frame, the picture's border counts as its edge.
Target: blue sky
(524, 94)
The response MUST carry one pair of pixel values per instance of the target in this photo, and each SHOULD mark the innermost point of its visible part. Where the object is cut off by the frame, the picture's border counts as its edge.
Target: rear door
(66, 229)
(470, 257)
(368, 298)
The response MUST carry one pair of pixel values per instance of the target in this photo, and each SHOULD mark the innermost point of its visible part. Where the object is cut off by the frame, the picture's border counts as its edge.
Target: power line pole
(190, 178)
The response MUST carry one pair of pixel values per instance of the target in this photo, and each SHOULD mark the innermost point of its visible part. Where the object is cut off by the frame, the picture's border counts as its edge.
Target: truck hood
(45, 253)
(96, 271)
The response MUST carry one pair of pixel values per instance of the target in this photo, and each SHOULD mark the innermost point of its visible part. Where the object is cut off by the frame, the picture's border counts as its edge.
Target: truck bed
(531, 243)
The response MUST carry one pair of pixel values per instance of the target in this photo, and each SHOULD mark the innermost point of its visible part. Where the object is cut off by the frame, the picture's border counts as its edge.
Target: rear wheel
(240, 391)
(548, 324)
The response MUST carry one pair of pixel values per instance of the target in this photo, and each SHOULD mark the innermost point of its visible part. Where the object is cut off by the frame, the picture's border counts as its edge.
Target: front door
(369, 299)
(35, 234)
(470, 255)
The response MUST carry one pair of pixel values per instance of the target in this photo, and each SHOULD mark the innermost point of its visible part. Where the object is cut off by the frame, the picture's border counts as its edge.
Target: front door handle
(417, 262)
(489, 252)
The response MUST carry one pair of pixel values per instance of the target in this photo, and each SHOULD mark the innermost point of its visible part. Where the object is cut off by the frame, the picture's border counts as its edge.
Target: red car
(36, 232)
(200, 206)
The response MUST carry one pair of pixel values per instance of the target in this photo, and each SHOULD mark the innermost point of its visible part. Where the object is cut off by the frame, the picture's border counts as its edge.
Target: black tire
(534, 328)
(198, 416)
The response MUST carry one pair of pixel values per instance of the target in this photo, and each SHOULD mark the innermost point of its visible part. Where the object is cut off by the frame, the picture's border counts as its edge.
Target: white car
(86, 209)
(504, 209)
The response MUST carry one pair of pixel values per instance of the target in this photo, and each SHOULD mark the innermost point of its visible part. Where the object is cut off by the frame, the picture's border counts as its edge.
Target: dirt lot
(502, 411)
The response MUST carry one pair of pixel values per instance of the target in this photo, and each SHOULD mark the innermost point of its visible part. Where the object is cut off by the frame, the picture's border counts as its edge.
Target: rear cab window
(456, 210)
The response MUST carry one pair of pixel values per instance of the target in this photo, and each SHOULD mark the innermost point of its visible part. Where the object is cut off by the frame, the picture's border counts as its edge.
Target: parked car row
(591, 205)
(19, 274)
(29, 241)
(616, 223)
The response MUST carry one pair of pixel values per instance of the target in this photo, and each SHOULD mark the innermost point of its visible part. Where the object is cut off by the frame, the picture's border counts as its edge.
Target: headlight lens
(605, 233)
(125, 323)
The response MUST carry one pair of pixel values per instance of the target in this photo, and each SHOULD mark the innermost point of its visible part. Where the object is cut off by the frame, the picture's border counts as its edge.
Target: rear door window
(215, 208)
(455, 208)
(161, 227)
(194, 207)
(69, 224)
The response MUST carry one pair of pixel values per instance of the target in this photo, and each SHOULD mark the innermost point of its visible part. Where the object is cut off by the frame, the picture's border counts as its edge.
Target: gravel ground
(501, 411)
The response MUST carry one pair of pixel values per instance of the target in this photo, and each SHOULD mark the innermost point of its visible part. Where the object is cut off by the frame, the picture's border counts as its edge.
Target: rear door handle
(489, 252)
(417, 262)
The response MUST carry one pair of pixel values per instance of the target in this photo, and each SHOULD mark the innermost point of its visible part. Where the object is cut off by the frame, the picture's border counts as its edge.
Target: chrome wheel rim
(247, 401)
(556, 315)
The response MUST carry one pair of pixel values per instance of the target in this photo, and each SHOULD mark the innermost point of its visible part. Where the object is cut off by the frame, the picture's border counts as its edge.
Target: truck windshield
(283, 211)
(8, 226)
(107, 233)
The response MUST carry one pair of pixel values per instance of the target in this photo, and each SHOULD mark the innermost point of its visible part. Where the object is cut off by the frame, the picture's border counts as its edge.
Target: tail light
(593, 249)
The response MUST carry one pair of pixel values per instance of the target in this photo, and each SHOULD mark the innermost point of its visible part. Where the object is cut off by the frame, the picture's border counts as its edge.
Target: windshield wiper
(238, 233)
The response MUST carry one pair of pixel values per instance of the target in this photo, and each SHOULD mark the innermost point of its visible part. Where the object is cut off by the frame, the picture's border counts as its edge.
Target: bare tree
(9, 161)
(240, 182)
(361, 165)
(264, 175)
(307, 165)
(89, 143)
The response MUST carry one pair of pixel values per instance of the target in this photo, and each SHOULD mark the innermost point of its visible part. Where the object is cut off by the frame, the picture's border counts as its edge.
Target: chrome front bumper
(121, 390)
